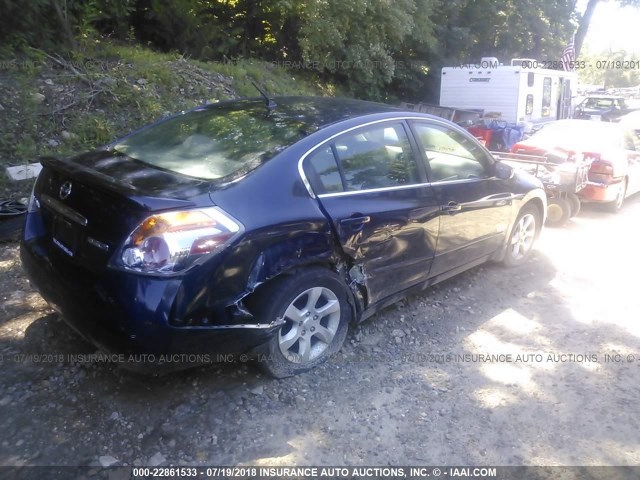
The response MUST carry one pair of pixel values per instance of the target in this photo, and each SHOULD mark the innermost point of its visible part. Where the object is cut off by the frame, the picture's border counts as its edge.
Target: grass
(105, 90)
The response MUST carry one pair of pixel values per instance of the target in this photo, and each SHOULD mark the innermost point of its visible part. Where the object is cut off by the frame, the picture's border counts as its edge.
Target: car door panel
(477, 228)
(385, 216)
(476, 207)
(395, 246)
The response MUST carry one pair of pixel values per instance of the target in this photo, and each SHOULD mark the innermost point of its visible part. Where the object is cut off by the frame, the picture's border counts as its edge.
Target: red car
(614, 152)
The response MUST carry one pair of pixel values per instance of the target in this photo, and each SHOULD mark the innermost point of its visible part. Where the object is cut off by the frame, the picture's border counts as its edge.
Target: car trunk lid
(91, 203)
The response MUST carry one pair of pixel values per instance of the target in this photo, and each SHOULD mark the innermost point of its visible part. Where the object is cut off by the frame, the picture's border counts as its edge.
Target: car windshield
(604, 103)
(598, 103)
(220, 142)
(580, 134)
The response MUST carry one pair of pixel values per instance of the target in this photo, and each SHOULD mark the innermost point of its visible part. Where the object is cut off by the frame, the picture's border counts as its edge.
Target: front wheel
(522, 237)
(316, 314)
(616, 205)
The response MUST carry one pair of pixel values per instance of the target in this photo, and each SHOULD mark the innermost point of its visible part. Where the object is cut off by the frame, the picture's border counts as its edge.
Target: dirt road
(496, 367)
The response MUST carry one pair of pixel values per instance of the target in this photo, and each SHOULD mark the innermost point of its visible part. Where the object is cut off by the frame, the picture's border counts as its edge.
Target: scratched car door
(370, 184)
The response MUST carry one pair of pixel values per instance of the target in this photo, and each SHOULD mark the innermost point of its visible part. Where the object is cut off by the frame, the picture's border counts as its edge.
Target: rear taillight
(171, 242)
(601, 167)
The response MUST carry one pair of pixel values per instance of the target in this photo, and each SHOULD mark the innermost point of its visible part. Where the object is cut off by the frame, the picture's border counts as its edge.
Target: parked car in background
(607, 108)
(267, 227)
(612, 149)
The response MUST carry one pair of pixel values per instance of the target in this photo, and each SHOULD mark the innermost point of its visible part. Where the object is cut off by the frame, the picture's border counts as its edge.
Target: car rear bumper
(600, 192)
(128, 314)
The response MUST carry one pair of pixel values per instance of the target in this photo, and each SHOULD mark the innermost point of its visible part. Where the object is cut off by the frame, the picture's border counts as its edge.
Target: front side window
(378, 156)
(451, 155)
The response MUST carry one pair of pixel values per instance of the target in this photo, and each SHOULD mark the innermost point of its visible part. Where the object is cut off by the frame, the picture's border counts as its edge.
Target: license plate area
(65, 236)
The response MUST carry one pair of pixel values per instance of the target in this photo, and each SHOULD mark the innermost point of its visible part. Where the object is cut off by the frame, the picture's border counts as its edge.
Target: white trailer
(521, 92)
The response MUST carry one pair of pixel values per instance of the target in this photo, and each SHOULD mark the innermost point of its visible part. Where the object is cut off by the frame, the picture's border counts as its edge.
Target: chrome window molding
(307, 184)
(399, 187)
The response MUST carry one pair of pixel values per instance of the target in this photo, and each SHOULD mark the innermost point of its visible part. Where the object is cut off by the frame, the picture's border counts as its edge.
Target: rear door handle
(451, 207)
(355, 223)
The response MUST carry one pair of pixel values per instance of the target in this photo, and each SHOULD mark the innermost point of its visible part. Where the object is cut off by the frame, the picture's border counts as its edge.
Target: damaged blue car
(266, 228)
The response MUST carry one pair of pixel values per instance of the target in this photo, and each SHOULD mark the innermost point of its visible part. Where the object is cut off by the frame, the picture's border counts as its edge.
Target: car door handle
(355, 223)
(451, 207)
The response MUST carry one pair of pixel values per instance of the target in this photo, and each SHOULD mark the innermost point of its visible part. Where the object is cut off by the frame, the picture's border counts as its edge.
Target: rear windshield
(221, 142)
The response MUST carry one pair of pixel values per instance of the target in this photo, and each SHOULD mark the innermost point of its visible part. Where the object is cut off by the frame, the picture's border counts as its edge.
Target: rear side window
(378, 156)
(323, 173)
(451, 155)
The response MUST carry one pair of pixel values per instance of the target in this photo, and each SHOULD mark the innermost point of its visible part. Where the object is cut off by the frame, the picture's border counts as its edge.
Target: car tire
(574, 203)
(523, 235)
(314, 305)
(558, 212)
(616, 205)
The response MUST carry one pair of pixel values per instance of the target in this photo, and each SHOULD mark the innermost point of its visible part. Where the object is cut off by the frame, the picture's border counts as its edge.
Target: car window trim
(405, 118)
(399, 187)
(336, 158)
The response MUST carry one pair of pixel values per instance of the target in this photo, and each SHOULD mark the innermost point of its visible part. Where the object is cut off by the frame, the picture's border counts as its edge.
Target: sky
(613, 27)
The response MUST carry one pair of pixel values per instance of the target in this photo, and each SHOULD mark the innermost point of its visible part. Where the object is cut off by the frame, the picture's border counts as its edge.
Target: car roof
(318, 112)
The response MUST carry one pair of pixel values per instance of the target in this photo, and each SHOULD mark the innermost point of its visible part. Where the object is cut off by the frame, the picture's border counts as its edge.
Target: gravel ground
(394, 395)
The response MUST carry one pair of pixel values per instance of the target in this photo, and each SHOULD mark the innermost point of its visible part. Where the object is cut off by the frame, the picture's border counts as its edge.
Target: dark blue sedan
(266, 228)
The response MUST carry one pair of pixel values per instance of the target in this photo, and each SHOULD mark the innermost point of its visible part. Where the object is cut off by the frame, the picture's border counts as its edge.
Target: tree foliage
(610, 69)
(379, 49)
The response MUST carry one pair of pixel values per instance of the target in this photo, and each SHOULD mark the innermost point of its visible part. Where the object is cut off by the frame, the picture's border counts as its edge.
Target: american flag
(569, 56)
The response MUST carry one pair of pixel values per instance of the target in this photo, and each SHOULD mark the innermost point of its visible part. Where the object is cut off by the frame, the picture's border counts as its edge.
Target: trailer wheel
(574, 202)
(558, 212)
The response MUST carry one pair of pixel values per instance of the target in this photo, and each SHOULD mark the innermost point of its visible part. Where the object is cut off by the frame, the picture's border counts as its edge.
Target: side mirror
(503, 171)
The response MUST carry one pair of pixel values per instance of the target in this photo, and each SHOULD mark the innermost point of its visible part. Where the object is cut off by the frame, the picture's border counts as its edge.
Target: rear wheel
(316, 312)
(574, 202)
(616, 205)
(558, 212)
(522, 237)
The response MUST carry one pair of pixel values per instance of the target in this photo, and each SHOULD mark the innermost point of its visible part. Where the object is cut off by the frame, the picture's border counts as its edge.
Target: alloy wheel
(523, 236)
(621, 194)
(312, 320)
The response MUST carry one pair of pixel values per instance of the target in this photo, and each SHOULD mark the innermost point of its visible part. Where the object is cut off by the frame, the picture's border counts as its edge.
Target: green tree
(354, 40)
(610, 77)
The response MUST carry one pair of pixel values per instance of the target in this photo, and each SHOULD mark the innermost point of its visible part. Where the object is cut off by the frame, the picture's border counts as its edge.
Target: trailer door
(564, 99)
